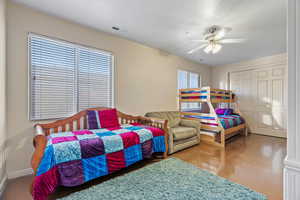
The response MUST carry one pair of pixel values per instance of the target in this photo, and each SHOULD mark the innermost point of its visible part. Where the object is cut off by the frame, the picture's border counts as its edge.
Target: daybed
(91, 144)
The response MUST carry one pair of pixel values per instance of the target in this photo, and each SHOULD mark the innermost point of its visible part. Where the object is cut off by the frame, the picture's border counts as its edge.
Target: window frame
(188, 77)
(76, 84)
(188, 85)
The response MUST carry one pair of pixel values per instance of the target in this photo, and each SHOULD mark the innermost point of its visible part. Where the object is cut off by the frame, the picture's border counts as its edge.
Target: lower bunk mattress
(227, 121)
(73, 158)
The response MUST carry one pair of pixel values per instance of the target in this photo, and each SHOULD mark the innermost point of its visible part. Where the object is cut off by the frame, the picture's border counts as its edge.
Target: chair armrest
(158, 123)
(147, 120)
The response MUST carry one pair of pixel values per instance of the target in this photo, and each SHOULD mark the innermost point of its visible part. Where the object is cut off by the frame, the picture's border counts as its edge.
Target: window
(66, 78)
(189, 80)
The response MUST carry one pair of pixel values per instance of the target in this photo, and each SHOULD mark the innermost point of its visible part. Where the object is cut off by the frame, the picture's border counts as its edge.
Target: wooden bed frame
(210, 97)
(79, 122)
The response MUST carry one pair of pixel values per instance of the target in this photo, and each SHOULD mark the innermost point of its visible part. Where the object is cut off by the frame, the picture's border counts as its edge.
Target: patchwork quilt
(73, 158)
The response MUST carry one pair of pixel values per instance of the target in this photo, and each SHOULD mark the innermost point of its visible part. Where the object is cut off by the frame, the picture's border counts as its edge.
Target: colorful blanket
(204, 96)
(227, 121)
(73, 158)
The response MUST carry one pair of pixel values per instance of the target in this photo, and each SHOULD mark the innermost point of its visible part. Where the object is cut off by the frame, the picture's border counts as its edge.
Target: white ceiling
(164, 24)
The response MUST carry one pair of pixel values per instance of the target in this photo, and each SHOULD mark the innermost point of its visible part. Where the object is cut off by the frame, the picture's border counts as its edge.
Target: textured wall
(219, 74)
(146, 78)
(2, 89)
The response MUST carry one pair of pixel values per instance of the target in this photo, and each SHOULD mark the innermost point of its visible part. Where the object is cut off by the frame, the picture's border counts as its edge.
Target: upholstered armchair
(182, 133)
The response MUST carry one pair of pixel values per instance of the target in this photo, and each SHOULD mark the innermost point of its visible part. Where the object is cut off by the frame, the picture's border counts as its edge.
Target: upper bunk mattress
(203, 94)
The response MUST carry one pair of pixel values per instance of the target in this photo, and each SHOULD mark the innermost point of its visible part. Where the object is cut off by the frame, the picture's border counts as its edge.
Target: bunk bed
(215, 127)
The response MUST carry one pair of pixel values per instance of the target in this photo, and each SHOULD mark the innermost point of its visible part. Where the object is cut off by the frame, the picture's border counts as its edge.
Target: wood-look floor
(254, 161)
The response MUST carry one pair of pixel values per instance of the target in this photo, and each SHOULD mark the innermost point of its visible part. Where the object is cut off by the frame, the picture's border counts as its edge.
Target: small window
(188, 79)
(66, 78)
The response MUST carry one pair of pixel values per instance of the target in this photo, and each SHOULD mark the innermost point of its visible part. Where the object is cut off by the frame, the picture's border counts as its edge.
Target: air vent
(115, 28)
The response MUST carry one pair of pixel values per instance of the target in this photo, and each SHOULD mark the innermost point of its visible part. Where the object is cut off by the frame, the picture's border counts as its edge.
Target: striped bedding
(204, 92)
(227, 121)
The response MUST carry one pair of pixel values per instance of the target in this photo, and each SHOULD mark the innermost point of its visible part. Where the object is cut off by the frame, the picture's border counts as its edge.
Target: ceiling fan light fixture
(214, 38)
(217, 48)
(208, 49)
(220, 34)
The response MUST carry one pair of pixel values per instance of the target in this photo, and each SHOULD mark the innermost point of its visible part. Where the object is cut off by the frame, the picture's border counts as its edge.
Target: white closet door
(271, 89)
(262, 99)
(241, 83)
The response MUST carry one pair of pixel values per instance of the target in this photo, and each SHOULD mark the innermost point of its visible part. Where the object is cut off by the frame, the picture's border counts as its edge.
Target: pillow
(228, 111)
(224, 111)
(220, 111)
(102, 119)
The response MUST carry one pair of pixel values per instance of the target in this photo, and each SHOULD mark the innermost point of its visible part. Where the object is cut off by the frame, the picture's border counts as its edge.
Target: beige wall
(220, 74)
(2, 90)
(146, 78)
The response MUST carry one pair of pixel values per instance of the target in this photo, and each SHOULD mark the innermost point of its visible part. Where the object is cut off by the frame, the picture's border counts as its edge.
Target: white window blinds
(182, 79)
(194, 80)
(94, 82)
(66, 78)
(52, 79)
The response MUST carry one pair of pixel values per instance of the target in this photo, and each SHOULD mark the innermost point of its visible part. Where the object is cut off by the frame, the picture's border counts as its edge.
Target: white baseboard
(20, 173)
(2, 186)
(291, 179)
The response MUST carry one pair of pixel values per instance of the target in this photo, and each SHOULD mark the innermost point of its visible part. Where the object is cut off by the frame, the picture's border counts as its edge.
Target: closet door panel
(262, 93)
(278, 104)
(277, 92)
(264, 120)
(241, 83)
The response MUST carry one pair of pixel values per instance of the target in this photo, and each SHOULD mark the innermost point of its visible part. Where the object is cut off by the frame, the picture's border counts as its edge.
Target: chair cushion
(181, 132)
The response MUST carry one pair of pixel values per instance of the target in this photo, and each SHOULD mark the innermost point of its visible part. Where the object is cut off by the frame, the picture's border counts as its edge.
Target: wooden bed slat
(235, 128)
(202, 120)
(71, 125)
(64, 128)
(84, 122)
(221, 101)
(197, 113)
(193, 95)
(78, 124)
(55, 129)
(193, 100)
(209, 127)
(189, 89)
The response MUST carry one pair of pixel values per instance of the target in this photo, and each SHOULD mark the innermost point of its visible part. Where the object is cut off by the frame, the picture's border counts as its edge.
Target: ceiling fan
(213, 39)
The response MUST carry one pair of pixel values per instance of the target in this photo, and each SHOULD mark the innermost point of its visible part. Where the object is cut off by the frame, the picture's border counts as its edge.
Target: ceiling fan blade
(197, 48)
(205, 41)
(228, 41)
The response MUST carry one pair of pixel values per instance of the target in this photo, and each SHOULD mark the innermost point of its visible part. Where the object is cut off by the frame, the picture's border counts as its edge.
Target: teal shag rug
(170, 179)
